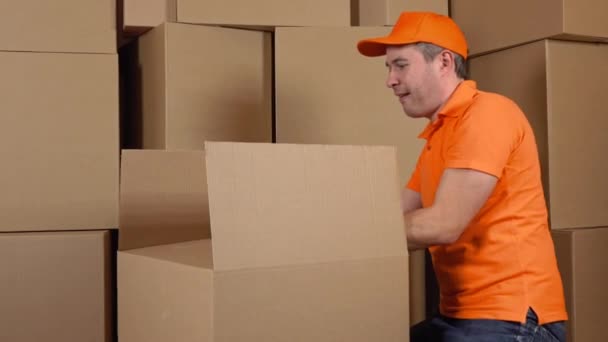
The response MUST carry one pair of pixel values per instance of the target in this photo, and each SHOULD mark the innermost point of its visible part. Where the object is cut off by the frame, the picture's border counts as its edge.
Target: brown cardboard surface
(58, 26)
(562, 99)
(163, 297)
(327, 93)
(265, 12)
(582, 260)
(141, 14)
(161, 204)
(216, 89)
(55, 287)
(490, 25)
(59, 141)
(363, 300)
(283, 188)
(283, 249)
(386, 12)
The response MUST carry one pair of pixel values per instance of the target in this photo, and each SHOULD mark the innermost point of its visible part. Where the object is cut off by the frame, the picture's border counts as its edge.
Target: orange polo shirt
(504, 262)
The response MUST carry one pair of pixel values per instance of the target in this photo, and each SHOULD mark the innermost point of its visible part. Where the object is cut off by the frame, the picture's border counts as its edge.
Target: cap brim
(375, 47)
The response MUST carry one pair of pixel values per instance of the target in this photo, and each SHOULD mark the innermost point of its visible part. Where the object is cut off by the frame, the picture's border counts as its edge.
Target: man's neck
(447, 92)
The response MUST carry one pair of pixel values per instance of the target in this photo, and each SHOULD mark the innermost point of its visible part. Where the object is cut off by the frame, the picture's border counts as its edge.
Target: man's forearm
(426, 227)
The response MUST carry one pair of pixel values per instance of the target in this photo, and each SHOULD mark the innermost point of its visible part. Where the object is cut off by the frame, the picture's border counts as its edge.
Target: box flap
(196, 253)
(281, 204)
(163, 198)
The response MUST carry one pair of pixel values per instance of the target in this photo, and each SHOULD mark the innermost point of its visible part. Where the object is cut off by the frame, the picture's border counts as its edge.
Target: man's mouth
(403, 96)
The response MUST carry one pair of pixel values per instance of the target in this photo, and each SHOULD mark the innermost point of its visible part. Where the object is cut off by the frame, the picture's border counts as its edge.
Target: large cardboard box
(58, 141)
(386, 12)
(86, 26)
(583, 260)
(204, 83)
(307, 244)
(327, 93)
(563, 99)
(497, 24)
(141, 14)
(55, 287)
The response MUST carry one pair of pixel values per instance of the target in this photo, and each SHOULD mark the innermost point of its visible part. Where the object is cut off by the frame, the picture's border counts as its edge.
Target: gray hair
(430, 51)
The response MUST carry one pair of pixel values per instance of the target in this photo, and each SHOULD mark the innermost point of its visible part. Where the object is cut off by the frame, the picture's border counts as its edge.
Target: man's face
(413, 80)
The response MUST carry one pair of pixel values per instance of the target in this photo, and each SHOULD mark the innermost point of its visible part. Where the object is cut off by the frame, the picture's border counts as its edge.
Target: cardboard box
(55, 287)
(141, 14)
(59, 141)
(563, 98)
(497, 24)
(58, 26)
(386, 12)
(327, 93)
(203, 83)
(583, 261)
(307, 245)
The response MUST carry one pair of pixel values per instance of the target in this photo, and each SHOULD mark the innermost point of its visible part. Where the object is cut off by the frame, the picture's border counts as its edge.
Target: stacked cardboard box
(141, 15)
(204, 82)
(559, 85)
(138, 16)
(581, 255)
(60, 149)
(200, 83)
(244, 242)
(386, 12)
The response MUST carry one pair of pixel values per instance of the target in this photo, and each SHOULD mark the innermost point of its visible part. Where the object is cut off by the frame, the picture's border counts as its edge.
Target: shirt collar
(460, 99)
(453, 107)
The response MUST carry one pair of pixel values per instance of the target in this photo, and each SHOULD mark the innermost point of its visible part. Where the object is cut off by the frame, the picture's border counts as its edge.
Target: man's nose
(391, 80)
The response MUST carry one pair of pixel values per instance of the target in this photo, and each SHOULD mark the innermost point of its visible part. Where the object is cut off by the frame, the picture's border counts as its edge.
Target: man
(475, 198)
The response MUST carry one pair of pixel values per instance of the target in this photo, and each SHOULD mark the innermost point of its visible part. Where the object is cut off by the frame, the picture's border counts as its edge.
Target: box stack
(269, 71)
(59, 182)
(556, 73)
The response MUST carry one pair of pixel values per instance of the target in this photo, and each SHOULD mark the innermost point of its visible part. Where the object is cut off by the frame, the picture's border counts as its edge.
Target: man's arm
(460, 195)
(410, 200)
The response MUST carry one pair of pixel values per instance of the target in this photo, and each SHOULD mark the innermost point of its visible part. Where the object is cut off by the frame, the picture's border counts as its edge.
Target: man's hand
(460, 195)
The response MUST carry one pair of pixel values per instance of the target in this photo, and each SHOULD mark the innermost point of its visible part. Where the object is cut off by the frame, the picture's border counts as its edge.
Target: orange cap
(418, 27)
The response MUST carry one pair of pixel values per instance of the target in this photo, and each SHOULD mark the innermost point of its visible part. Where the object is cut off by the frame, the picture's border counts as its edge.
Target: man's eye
(401, 66)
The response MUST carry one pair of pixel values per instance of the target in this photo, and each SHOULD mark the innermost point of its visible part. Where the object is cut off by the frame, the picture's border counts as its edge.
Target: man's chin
(413, 114)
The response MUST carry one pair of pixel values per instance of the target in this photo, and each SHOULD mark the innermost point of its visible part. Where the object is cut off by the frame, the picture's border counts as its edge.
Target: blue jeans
(445, 329)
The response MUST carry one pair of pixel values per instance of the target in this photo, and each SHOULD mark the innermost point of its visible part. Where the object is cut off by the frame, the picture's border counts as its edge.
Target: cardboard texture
(582, 261)
(551, 82)
(288, 260)
(59, 141)
(261, 13)
(55, 287)
(386, 12)
(203, 83)
(85, 26)
(138, 16)
(496, 24)
(327, 93)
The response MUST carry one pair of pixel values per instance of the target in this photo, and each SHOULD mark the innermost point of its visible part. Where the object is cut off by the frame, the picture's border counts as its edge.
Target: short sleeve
(484, 138)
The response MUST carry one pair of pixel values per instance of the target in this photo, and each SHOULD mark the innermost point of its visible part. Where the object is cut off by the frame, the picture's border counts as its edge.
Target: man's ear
(446, 58)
